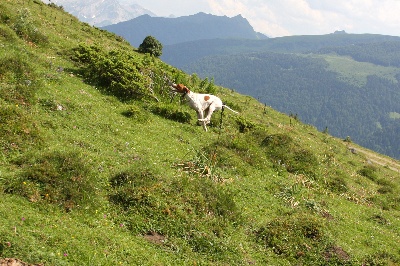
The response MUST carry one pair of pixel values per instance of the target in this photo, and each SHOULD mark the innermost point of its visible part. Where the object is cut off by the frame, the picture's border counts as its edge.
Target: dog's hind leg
(210, 111)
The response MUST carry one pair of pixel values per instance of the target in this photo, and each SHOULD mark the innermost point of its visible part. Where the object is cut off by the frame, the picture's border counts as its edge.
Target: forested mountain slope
(183, 53)
(99, 165)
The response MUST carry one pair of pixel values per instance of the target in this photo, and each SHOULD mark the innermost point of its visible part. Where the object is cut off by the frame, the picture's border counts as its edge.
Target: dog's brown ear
(186, 89)
(180, 88)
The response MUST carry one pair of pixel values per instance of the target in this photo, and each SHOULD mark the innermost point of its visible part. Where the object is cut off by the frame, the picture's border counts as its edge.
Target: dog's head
(180, 88)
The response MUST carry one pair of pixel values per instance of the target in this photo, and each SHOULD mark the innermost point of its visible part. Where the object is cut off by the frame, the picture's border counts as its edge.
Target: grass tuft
(60, 178)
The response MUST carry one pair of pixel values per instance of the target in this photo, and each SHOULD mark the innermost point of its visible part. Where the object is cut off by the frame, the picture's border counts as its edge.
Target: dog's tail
(227, 107)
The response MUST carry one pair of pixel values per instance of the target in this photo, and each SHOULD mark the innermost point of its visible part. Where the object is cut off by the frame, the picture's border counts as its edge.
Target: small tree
(151, 45)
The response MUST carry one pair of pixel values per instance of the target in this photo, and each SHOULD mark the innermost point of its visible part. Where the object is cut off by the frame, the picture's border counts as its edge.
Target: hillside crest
(186, 28)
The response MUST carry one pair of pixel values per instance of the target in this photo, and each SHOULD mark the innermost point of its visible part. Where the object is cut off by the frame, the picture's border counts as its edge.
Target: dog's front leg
(200, 119)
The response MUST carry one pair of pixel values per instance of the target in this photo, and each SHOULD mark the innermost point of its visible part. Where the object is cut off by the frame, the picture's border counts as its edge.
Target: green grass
(394, 115)
(359, 70)
(88, 177)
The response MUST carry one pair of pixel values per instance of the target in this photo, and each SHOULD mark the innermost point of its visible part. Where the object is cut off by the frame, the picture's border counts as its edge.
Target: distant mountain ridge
(186, 53)
(184, 29)
(101, 13)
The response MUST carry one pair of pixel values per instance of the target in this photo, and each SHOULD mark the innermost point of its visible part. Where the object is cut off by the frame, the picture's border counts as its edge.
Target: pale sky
(277, 18)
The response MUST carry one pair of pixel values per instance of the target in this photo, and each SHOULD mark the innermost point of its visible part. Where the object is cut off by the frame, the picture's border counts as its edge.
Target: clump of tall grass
(195, 210)
(284, 151)
(301, 237)
(61, 178)
(25, 27)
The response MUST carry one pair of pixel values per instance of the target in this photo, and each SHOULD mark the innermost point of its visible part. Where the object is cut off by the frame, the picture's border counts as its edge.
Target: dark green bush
(115, 72)
(244, 124)
(385, 190)
(18, 131)
(20, 84)
(170, 112)
(207, 86)
(300, 239)
(369, 172)
(20, 78)
(285, 152)
(337, 184)
(7, 34)
(381, 258)
(386, 186)
(151, 46)
(133, 189)
(52, 5)
(386, 199)
(60, 178)
(136, 113)
(141, 190)
(181, 208)
(214, 247)
(277, 141)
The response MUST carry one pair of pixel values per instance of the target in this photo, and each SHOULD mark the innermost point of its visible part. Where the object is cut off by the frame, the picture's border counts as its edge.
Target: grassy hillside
(99, 167)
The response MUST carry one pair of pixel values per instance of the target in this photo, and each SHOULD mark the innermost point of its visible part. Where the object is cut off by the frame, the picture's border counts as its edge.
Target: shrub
(53, 5)
(205, 85)
(183, 209)
(136, 113)
(369, 172)
(216, 248)
(381, 258)
(141, 190)
(7, 34)
(386, 199)
(245, 125)
(132, 189)
(170, 112)
(337, 184)
(115, 71)
(385, 190)
(151, 46)
(300, 238)
(283, 151)
(20, 78)
(25, 27)
(18, 131)
(61, 178)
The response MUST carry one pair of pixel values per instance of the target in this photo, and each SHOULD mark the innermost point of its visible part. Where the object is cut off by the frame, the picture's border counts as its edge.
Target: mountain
(101, 13)
(185, 53)
(183, 29)
(101, 165)
(348, 83)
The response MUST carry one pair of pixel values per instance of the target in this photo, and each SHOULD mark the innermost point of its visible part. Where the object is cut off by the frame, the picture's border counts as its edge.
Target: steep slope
(99, 167)
(183, 29)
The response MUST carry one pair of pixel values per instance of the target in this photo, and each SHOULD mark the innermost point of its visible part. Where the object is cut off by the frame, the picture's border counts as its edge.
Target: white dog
(203, 104)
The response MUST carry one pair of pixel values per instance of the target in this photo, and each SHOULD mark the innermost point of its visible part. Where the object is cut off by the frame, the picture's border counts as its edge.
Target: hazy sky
(277, 18)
